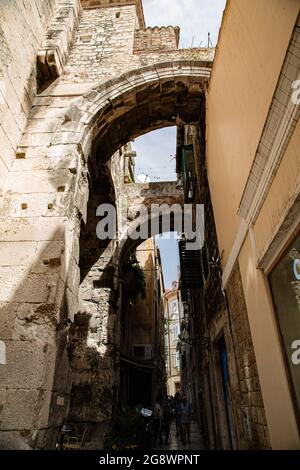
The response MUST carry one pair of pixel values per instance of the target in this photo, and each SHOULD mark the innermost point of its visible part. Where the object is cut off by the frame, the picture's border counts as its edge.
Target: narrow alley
(150, 226)
(175, 443)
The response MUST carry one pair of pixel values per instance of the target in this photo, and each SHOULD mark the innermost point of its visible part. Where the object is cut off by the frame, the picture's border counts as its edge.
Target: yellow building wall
(280, 196)
(269, 358)
(141, 310)
(252, 44)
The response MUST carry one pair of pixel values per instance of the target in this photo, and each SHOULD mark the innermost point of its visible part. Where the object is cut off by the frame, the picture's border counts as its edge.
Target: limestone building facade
(79, 80)
(172, 315)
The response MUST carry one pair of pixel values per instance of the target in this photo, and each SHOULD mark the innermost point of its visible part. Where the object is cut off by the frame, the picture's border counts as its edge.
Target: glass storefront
(285, 285)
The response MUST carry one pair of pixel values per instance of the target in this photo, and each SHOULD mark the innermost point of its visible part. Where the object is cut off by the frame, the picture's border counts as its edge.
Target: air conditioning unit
(142, 351)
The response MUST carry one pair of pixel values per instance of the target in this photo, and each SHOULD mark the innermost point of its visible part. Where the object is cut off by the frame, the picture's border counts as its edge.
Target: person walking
(166, 420)
(186, 418)
(177, 412)
(157, 421)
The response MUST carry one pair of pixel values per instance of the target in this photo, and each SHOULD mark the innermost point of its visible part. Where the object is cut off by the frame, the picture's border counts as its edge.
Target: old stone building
(172, 314)
(80, 80)
(219, 368)
(142, 327)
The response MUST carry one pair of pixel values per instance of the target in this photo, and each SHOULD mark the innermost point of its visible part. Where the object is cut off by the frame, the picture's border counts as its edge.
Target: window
(177, 359)
(175, 331)
(285, 285)
(174, 308)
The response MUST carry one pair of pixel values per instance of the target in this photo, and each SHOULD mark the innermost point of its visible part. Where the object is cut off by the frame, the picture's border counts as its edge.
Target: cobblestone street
(175, 444)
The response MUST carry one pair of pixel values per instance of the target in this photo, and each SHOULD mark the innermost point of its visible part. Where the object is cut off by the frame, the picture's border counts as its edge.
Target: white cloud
(155, 154)
(195, 17)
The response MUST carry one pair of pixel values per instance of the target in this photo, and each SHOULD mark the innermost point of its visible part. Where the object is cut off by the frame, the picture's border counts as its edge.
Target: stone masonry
(79, 92)
(252, 420)
(21, 31)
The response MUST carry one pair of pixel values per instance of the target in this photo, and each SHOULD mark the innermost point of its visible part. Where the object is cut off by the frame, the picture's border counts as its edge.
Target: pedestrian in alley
(166, 420)
(177, 411)
(186, 418)
(157, 421)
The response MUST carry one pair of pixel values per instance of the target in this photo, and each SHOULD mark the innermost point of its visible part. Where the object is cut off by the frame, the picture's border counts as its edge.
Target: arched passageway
(104, 120)
(96, 333)
(57, 212)
(114, 80)
(114, 113)
(84, 332)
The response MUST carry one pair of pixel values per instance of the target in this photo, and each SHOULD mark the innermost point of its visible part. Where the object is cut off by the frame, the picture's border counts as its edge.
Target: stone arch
(142, 196)
(90, 131)
(145, 99)
(100, 122)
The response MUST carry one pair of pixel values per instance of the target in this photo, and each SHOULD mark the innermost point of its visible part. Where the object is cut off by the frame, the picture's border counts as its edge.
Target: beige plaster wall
(270, 364)
(281, 195)
(253, 42)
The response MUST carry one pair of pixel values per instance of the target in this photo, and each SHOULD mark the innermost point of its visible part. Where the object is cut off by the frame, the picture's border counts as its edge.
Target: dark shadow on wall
(35, 381)
(92, 346)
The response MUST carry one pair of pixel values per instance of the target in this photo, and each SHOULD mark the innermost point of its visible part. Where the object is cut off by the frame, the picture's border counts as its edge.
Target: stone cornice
(54, 50)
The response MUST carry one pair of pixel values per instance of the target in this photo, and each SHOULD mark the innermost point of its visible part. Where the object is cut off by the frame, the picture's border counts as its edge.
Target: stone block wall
(104, 41)
(217, 320)
(120, 3)
(54, 49)
(156, 39)
(44, 202)
(22, 27)
(107, 43)
(253, 429)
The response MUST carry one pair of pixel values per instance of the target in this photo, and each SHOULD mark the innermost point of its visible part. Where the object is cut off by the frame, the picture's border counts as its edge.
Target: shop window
(285, 286)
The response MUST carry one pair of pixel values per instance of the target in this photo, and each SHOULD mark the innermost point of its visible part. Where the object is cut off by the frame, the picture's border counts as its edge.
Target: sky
(156, 155)
(196, 18)
(168, 246)
(156, 150)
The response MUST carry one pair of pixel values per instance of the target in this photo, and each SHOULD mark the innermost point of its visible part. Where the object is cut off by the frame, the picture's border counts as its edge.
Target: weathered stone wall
(22, 27)
(214, 320)
(38, 276)
(93, 343)
(156, 39)
(253, 429)
(53, 174)
(54, 49)
(107, 44)
(103, 44)
(120, 3)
